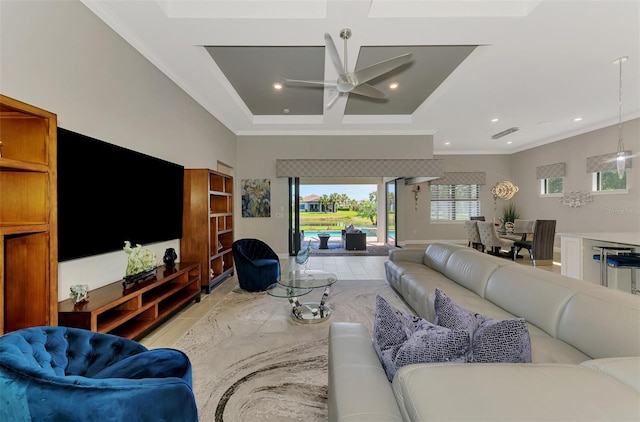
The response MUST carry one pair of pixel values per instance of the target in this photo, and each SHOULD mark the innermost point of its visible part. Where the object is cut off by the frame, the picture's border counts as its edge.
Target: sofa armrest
(411, 255)
(625, 370)
(358, 386)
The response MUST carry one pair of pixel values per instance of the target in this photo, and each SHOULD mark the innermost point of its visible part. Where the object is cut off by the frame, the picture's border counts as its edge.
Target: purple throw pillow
(492, 340)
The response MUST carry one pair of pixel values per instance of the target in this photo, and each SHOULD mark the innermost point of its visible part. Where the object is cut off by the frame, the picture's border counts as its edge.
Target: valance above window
(462, 178)
(605, 162)
(359, 167)
(551, 170)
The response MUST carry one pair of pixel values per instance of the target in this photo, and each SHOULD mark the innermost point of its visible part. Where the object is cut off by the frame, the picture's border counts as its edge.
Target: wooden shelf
(207, 222)
(28, 216)
(134, 311)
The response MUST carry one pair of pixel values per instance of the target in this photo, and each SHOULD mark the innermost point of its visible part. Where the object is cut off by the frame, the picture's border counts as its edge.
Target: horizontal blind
(454, 202)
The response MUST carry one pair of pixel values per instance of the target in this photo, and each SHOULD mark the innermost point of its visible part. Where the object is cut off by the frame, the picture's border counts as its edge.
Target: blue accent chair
(257, 265)
(71, 374)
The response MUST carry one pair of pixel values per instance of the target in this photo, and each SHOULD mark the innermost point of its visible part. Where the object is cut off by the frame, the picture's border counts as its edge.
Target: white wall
(59, 56)
(607, 212)
(256, 159)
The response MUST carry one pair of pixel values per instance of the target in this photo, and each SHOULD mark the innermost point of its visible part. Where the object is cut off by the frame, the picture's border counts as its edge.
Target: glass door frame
(388, 207)
(294, 216)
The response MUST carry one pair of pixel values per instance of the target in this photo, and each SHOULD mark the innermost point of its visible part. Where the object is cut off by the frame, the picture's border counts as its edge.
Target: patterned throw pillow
(401, 339)
(491, 340)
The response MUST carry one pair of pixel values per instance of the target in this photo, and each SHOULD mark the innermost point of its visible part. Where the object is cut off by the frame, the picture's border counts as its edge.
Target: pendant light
(620, 156)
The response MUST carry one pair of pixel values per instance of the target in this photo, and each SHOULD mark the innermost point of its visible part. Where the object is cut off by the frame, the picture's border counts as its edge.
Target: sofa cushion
(471, 269)
(437, 255)
(492, 340)
(401, 339)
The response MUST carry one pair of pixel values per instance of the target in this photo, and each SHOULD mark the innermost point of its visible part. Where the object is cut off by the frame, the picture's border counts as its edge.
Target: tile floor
(346, 267)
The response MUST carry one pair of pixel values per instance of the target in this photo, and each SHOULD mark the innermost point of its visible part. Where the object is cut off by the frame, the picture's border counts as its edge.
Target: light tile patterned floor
(346, 267)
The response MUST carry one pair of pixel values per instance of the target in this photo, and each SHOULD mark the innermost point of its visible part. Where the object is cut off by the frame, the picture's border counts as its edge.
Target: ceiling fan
(354, 82)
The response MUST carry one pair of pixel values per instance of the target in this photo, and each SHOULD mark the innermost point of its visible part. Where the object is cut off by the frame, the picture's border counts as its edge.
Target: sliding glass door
(294, 215)
(390, 200)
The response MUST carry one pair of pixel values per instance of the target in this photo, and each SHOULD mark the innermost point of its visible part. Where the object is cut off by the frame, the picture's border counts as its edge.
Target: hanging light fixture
(504, 190)
(620, 156)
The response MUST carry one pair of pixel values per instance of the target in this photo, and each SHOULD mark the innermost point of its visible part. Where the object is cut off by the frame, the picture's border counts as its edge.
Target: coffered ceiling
(479, 67)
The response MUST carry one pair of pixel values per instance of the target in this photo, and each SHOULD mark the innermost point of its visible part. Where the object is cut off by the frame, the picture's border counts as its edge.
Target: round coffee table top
(307, 279)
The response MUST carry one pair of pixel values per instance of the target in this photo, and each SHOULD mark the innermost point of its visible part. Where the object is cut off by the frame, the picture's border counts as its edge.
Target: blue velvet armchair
(257, 265)
(71, 374)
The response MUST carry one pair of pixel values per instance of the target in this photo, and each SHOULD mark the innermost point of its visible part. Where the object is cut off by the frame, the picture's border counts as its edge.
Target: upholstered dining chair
(521, 229)
(477, 218)
(492, 243)
(471, 226)
(541, 245)
(257, 265)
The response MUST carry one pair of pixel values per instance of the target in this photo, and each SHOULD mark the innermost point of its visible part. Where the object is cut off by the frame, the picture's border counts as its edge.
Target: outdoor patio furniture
(354, 241)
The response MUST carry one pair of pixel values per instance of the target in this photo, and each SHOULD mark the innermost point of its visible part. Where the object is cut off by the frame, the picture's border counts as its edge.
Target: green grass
(331, 220)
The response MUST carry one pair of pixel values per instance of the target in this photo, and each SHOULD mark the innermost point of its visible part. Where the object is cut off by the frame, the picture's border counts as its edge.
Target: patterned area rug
(252, 362)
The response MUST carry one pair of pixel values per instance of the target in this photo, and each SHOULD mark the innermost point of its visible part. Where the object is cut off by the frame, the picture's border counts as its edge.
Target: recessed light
(447, 142)
(286, 110)
(577, 119)
(494, 120)
(509, 142)
(277, 86)
(393, 85)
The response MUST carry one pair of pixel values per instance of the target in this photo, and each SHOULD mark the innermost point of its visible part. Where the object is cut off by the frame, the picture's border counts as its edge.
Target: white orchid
(140, 259)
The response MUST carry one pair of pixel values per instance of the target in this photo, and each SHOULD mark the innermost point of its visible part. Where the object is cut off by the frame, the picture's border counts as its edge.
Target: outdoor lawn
(319, 221)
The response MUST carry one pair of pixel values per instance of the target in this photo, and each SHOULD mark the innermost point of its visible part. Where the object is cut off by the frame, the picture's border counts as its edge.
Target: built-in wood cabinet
(28, 216)
(134, 311)
(207, 224)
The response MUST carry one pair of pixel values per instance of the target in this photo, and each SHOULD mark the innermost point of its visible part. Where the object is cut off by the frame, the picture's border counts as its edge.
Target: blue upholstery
(71, 374)
(257, 265)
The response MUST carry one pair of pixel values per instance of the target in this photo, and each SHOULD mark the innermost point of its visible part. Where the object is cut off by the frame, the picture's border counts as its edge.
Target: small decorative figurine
(79, 293)
(170, 257)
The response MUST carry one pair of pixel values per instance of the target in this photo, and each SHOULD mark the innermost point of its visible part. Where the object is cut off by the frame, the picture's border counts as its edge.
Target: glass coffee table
(301, 282)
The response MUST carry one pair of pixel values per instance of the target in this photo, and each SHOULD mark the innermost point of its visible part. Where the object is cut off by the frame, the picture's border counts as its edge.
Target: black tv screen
(108, 194)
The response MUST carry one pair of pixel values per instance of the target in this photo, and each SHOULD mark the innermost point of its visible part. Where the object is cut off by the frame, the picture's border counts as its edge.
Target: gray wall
(59, 56)
(607, 212)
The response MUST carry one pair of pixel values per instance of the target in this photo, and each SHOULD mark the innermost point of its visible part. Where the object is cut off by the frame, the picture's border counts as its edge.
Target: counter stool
(601, 256)
(630, 261)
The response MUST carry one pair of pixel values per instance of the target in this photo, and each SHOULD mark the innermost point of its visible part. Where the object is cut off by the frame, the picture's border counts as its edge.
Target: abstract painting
(256, 197)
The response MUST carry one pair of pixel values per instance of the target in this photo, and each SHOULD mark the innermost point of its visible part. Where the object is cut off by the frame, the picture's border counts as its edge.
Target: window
(454, 202)
(551, 186)
(607, 181)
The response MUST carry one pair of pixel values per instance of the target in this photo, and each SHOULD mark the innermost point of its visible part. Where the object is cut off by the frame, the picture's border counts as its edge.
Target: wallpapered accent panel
(359, 168)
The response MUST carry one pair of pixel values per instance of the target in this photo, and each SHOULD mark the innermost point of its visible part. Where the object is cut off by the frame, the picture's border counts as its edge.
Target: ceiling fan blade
(299, 81)
(375, 70)
(333, 53)
(369, 91)
(334, 99)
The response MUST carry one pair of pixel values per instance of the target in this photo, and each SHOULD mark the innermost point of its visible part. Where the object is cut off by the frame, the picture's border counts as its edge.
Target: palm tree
(323, 201)
(334, 198)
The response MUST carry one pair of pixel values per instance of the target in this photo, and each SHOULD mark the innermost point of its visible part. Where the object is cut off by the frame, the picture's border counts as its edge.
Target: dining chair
(541, 245)
(492, 243)
(471, 226)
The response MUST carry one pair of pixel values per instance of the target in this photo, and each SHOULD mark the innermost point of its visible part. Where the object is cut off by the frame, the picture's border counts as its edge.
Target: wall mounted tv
(108, 194)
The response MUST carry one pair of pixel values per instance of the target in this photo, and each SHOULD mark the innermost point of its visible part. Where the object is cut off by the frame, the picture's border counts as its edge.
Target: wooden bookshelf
(133, 311)
(28, 216)
(207, 224)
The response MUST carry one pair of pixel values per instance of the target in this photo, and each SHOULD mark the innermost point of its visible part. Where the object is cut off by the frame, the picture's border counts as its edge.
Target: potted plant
(510, 212)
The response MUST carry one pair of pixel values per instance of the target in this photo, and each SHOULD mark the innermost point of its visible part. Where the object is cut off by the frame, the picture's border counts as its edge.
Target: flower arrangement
(510, 212)
(140, 259)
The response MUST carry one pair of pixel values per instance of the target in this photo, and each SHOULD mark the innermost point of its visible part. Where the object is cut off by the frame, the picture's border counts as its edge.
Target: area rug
(251, 361)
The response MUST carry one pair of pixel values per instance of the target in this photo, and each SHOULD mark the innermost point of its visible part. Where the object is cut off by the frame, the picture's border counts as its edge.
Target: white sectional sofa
(585, 347)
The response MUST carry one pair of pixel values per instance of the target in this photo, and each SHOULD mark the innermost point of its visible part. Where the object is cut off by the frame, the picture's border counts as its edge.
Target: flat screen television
(108, 194)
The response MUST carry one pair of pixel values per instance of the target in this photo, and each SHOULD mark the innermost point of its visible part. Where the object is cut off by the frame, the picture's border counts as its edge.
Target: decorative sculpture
(79, 293)
(140, 264)
(302, 257)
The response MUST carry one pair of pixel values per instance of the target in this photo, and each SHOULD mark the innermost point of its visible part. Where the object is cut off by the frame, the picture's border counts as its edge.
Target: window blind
(551, 170)
(454, 202)
(605, 162)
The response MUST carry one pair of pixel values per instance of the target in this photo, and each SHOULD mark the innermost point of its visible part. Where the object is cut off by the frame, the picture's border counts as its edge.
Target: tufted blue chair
(257, 265)
(71, 374)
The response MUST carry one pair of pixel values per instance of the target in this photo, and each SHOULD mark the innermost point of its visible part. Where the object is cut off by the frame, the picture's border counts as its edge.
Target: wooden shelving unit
(207, 224)
(28, 216)
(134, 311)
